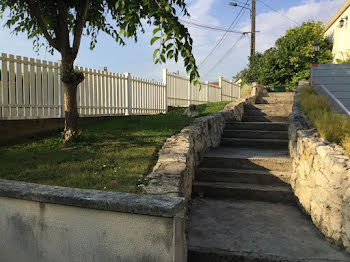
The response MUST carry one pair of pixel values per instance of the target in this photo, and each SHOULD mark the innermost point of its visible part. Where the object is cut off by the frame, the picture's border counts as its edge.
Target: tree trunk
(70, 81)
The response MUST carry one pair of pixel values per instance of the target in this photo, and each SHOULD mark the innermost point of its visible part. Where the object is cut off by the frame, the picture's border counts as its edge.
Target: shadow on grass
(113, 155)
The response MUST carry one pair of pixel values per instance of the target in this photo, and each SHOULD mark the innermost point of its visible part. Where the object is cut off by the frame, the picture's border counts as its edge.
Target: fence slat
(12, 87)
(19, 88)
(45, 89)
(5, 87)
(39, 92)
(26, 88)
(50, 91)
(56, 92)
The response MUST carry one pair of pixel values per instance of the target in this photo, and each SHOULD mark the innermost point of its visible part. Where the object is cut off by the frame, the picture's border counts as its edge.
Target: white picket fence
(181, 92)
(31, 89)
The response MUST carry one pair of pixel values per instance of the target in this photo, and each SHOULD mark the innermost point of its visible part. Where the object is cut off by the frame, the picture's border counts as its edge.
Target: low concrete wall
(174, 172)
(49, 223)
(320, 179)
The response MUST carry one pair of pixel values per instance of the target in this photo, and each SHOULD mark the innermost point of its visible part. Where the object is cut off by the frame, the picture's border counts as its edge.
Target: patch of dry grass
(331, 125)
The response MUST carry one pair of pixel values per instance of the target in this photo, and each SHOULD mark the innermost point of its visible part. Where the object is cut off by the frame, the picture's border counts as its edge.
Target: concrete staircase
(242, 210)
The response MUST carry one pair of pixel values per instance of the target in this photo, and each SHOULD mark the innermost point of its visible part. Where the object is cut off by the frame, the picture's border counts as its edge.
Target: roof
(337, 15)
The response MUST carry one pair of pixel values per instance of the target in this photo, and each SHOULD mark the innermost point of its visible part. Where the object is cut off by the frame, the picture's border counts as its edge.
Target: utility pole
(252, 42)
(252, 16)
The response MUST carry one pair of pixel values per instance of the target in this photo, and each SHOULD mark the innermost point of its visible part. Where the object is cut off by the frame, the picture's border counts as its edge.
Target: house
(338, 31)
(238, 81)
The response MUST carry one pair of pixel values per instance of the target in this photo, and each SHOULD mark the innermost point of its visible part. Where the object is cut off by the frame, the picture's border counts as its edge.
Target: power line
(223, 37)
(278, 12)
(210, 27)
(219, 44)
(226, 54)
(242, 3)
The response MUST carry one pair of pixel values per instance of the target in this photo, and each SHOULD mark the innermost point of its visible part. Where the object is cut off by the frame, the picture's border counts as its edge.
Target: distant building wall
(338, 31)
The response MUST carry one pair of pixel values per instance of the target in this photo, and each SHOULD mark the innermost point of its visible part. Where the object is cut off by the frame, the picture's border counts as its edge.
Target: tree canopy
(291, 58)
(62, 23)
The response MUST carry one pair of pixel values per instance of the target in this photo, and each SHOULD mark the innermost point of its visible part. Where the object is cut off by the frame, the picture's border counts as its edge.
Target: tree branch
(35, 13)
(79, 24)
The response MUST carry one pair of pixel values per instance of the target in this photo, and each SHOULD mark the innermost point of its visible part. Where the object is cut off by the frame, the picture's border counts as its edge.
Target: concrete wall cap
(152, 205)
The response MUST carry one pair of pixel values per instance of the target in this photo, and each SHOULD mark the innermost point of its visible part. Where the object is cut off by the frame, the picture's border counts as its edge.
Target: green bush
(331, 125)
(290, 59)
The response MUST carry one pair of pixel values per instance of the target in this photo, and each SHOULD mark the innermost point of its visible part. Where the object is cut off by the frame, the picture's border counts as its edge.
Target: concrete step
(258, 177)
(275, 100)
(257, 134)
(268, 109)
(254, 143)
(240, 191)
(225, 230)
(262, 126)
(272, 107)
(258, 112)
(289, 95)
(266, 118)
(248, 158)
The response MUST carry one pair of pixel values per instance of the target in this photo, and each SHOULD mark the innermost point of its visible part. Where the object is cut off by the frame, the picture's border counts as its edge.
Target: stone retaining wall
(320, 179)
(174, 172)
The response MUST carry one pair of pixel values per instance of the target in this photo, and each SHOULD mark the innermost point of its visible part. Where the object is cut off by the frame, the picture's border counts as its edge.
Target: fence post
(220, 86)
(207, 95)
(128, 94)
(189, 91)
(239, 91)
(165, 82)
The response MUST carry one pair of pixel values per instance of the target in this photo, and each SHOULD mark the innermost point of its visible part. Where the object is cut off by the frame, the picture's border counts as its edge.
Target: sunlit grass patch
(113, 155)
(331, 125)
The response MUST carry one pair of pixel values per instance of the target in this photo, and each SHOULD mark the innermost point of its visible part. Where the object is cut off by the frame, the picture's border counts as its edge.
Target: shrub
(246, 90)
(331, 125)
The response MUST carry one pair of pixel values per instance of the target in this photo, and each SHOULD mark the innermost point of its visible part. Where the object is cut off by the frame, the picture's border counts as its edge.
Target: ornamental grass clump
(331, 125)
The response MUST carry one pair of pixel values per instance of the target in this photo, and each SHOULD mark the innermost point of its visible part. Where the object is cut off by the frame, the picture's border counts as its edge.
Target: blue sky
(136, 58)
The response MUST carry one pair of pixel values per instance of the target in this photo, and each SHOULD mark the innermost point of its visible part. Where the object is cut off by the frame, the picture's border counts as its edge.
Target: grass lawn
(112, 155)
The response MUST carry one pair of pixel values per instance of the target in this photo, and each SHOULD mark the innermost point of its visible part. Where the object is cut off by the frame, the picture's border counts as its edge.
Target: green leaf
(169, 46)
(170, 54)
(155, 53)
(162, 58)
(156, 30)
(154, 39)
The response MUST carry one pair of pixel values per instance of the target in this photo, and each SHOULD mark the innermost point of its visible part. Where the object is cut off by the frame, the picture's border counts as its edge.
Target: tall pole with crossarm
(252, 15)
(252, 44)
